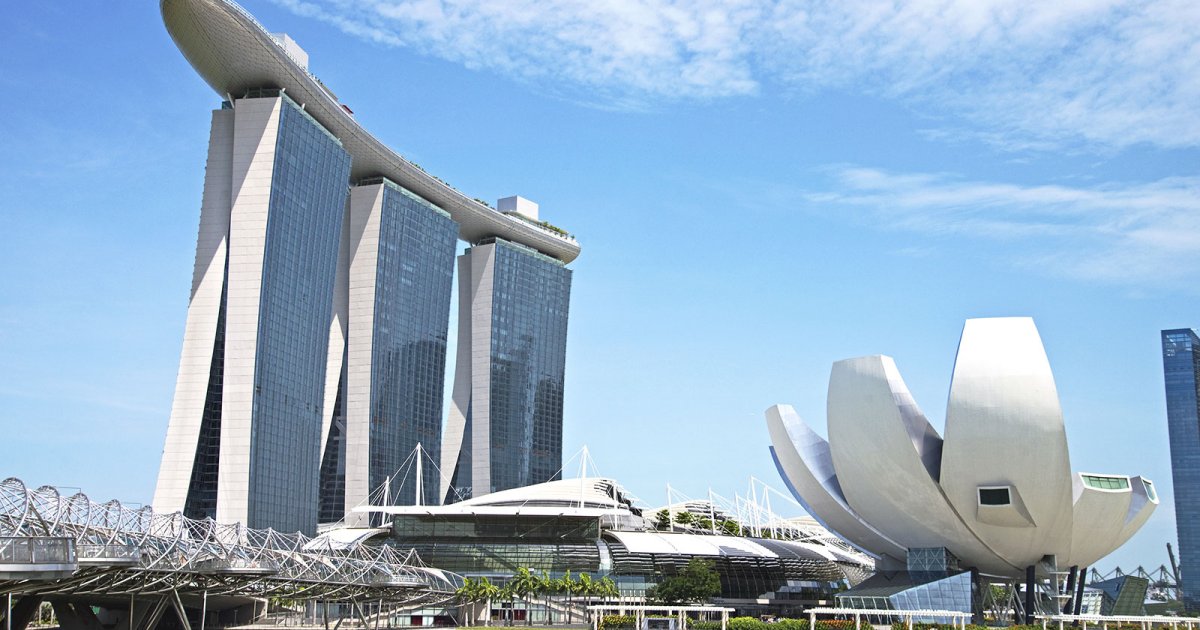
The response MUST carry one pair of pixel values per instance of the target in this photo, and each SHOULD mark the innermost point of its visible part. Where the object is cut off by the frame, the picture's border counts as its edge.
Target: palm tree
(506, 592)
(467, 594)
(487, 592)
(523, 584)
(472, 592)
(545, 588)
(608, 588)
(563, 585)
(587, 587)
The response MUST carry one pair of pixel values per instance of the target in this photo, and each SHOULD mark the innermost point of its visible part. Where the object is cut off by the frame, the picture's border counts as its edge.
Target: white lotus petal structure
(996, 491)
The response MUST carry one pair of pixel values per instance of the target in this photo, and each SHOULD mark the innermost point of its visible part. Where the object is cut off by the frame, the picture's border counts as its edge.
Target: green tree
(683, 518)
(730, 528)
(564, 586)
(608, 588)
(697, 583)
(473, 592)
(545, 588)
(586, 587)
(662, 519)
(524, 584)
(467, 594)
(703, 523)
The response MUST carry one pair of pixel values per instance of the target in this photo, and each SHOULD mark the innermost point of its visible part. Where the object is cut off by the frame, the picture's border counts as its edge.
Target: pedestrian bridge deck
(54, 545)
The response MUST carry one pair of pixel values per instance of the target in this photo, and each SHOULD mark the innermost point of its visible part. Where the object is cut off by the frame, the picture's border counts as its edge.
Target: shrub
(704, 625)
(618, 621)
(835, 624)
(790, 624)
(746, 623)
(902, 625)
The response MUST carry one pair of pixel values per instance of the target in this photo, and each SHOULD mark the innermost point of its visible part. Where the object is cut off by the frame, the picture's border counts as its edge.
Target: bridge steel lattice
(54, 547)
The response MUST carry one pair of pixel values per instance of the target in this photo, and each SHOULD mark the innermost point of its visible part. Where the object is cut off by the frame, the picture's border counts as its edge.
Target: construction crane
(1175, 570)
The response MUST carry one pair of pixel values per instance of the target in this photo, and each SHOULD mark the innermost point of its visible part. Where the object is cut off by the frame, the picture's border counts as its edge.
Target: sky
(760, 189)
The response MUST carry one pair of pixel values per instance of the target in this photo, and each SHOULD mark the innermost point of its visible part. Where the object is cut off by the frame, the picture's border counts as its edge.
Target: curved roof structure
(997, 492)
(233, 53)
(589, 496)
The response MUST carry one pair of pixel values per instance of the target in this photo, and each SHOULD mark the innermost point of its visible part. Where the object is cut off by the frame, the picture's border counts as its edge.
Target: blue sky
(760, 189)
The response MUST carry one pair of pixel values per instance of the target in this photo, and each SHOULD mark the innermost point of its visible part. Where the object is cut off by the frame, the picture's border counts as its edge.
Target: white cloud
(622, 49)
(1147, 233)
(1108, 72)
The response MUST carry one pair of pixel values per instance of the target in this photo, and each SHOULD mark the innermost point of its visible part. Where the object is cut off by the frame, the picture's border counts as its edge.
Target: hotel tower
(314, 353)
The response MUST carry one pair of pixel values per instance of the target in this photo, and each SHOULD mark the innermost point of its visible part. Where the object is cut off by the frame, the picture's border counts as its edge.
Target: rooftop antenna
(757, 514)
(583, 460)
(670, 511)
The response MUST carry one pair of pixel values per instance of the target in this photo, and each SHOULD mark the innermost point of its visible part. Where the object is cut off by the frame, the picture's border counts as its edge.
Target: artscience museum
(993, 499)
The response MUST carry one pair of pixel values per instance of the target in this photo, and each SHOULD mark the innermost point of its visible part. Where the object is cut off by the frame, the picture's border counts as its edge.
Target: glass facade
(951, 593)
(414, 273)
(911, 591)
(530, 299)
(934, 561)
(497, 546)
(332, 492)
(303, 231)
(201, 499)
(1181, 366)
(1124, 595)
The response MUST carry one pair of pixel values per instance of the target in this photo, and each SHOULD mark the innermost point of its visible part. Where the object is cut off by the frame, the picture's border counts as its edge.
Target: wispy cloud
(1144, 233)
(1110, 72)
(624, 51)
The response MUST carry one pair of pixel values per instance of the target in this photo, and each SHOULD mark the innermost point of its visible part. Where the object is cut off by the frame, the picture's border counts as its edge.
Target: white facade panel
(880, 469)
(455, 436)
(472, 373)
(483, 263)
(1004, 427)
(366, 209)
(256, 130)
(1141, 505)
(195, 363)
(806, 462)
(1099, 517)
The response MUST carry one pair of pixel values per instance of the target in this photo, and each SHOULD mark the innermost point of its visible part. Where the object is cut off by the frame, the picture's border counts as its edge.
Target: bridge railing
(111, 548)
(37, 550)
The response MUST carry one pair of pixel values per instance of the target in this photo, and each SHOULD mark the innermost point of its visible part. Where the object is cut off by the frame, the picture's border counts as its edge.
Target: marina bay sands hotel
(314, 354)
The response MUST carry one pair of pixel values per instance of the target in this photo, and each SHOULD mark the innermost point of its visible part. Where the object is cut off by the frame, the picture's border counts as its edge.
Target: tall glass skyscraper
(399, 271)
(505, 424)
(244, 436)
(315, 351)
(1181, 369)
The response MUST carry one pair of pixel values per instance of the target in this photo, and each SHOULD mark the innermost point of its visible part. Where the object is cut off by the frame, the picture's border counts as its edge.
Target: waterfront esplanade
(284, 155)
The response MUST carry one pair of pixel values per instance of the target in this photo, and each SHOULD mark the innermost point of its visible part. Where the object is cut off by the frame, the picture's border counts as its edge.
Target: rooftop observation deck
(233, 53)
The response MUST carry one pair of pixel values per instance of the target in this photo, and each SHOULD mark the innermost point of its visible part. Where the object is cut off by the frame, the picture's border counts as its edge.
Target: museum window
(994, 496)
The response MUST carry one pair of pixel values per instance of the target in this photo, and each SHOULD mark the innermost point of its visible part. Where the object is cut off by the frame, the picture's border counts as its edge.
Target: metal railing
(116, 552)
(126, 551)
(37, 550)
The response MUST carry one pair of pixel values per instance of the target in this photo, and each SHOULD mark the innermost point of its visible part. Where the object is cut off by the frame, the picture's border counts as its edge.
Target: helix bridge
(73, 551)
